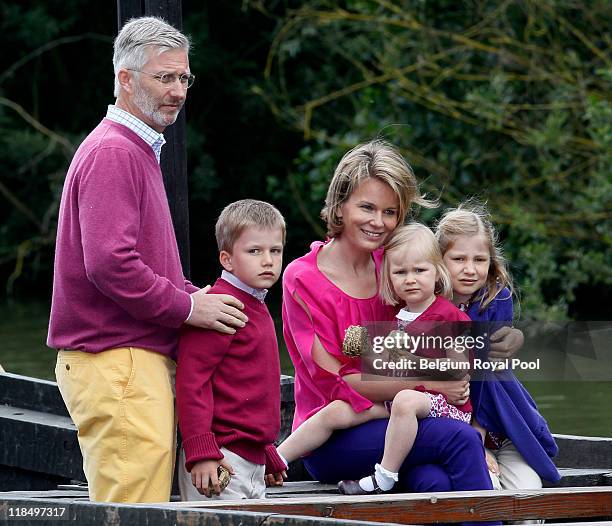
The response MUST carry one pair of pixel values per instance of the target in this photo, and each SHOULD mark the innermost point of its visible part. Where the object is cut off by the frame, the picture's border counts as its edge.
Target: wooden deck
(40, 452)
(304, 504)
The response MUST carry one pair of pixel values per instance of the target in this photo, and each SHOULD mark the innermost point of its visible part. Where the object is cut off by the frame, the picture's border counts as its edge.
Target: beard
(149, 106)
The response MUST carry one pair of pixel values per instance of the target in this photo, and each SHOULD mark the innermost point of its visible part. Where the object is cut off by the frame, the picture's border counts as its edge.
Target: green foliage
(41, 70)
(508, 101)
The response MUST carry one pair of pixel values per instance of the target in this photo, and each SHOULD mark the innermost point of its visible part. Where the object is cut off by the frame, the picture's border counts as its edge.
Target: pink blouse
(331, 312)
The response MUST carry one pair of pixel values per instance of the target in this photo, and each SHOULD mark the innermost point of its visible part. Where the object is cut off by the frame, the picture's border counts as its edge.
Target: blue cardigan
(502, 405)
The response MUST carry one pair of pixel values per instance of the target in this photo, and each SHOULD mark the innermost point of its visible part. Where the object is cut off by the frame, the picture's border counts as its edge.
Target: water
(573, 408)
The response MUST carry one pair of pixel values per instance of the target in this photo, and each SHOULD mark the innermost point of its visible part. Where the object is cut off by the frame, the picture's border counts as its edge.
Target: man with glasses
(119, 295)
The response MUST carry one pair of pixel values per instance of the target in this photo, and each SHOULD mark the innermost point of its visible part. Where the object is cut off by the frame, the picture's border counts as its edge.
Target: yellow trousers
(122, 404)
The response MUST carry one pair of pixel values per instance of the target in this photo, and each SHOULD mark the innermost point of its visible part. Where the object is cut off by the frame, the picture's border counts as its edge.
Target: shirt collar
(406, 315)
(260, 294)
(154, 139)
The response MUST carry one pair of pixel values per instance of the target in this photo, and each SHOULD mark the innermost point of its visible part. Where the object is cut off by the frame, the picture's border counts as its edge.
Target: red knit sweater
(228, 388)
(432, 322)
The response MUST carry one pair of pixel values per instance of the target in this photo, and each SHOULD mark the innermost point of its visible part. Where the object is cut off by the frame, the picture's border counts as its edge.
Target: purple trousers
(447, 455)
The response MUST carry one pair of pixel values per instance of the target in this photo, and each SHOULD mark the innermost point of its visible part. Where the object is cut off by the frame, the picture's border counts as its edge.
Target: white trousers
(514, 472)
(247, 483)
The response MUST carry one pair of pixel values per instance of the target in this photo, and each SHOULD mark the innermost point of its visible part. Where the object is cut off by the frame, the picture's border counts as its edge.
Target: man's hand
(275, 479)
(219, 312)
(505, 343)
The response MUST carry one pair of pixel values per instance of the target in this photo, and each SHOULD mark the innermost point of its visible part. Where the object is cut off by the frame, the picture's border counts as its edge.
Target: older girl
(521, 446)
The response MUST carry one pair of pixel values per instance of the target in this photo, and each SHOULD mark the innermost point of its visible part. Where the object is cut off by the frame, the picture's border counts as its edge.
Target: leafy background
(508, 101)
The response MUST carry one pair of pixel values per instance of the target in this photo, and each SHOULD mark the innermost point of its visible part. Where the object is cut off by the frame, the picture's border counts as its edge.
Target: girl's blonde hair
(471, 218)
(419, 238)
(377, 159)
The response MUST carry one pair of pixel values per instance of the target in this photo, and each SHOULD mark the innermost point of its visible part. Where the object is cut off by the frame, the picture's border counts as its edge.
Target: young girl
(413, 273)
(505, 413)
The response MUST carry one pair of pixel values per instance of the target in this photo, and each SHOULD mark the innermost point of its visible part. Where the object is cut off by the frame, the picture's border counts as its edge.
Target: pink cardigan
(331, 312)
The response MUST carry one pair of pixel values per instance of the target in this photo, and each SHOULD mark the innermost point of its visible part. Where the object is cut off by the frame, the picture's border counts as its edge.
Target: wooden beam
(548, 503)
(86, 513)
(174, 153)
(583, 452)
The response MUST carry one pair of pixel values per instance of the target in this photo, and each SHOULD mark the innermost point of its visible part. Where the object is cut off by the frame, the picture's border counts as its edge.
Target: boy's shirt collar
(260, 294)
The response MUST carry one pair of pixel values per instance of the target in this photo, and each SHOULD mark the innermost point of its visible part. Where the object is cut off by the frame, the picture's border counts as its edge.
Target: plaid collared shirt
(146, 133)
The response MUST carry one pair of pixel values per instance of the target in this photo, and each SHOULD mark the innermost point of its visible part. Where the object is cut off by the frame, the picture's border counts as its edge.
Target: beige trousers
(247, 483)
(514, 472)
(122, 404)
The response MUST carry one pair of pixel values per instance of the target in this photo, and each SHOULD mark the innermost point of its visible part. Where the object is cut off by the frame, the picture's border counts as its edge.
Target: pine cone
(224, 478)
(356, 341)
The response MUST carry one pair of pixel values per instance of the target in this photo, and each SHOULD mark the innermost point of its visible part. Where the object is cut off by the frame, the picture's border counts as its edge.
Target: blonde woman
(336, 285)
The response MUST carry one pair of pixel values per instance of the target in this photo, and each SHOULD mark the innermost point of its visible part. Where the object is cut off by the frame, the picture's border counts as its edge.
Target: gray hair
(141, 36)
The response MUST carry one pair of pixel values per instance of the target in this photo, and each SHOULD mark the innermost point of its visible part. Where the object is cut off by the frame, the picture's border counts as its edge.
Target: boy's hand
(275, 479)
(218, 312)
(203, 474)
(224, 463)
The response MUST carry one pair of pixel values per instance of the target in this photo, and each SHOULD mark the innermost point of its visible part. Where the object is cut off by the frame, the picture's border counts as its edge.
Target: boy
(228, 385)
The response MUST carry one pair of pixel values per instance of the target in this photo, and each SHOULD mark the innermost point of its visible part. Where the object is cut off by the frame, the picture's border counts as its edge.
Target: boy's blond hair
(379, 160)
(419, 238)
(471, 218)
(242, 214)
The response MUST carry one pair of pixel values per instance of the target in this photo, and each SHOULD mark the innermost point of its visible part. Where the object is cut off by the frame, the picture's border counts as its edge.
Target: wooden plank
(31, 393)
(548, 503)
(571, 477)
(583, 452)
(127, 9)
(39, 442)
(309, 488)
(109, 514)
(174, 153)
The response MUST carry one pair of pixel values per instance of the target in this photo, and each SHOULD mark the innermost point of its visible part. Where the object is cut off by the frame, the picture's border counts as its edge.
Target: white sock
(384, 478)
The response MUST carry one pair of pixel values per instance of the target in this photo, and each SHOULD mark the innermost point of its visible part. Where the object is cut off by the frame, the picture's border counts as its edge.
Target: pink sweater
(331, 311)
(228, 388)
(118, 280)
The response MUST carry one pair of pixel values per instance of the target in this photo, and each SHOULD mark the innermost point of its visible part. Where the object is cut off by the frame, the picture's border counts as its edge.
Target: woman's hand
(505, 343)
(457, 392)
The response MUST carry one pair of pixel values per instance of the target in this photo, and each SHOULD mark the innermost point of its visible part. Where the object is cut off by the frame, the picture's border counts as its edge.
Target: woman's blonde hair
(418, 237)
(471, 218)
(377, 159)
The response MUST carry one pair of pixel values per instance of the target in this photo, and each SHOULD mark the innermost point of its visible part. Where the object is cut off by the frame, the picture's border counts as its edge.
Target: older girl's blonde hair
(471, 218)
(417, 237)
(377, 159)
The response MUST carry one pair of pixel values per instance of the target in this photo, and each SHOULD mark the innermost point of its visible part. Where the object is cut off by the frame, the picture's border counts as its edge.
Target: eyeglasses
(167, 79)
